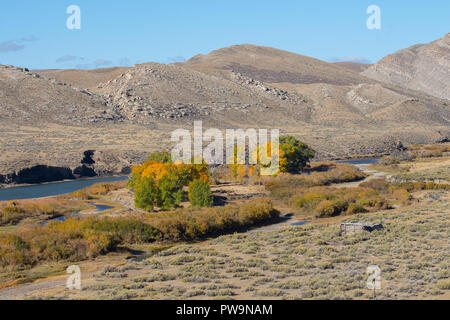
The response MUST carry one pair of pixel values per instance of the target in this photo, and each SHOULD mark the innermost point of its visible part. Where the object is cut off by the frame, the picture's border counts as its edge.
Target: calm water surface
(51, 189)
(360, 161)
(54, 189)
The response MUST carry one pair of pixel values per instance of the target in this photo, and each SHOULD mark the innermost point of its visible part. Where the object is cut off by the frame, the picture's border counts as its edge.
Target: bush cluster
(12, 212)
(78, 239)
(95, 191)
(328, 202)
(195, 223)
(284, 186)
(161, 184)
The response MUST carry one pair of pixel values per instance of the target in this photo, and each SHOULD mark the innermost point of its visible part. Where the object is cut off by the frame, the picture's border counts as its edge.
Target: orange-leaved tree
(161, 184)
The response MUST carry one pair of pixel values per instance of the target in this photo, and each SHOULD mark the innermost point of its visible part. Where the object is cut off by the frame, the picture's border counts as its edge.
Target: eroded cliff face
(37, 174)
(424, 67)
(93, 164)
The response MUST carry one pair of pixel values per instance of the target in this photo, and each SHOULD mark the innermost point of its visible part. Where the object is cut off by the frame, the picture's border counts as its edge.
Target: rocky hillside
(353, 66)
(86, 79)
(273, 66)
(50, 119)
(28, 97)
(424, 67)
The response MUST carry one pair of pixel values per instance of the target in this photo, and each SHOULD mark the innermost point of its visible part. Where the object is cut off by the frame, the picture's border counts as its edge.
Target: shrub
(388, 161)
(308, 201)
(439, 173)
(161, 157)
(379, 185)
(46, 244)
(127, 230)
(198, 223)
(73, 240)
(284, 185)
(78, 239)
(403, 196)
(354, 208)
(200, 194)
(402, 156)
(444, 284)
(296, 153)
(331, 208)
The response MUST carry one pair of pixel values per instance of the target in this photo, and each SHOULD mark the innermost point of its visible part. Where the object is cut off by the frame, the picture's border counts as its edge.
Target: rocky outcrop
(424, 67)
(37, 174)
(93, 164)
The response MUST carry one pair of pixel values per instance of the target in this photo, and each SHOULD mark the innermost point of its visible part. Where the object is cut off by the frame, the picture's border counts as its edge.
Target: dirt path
(373, 174)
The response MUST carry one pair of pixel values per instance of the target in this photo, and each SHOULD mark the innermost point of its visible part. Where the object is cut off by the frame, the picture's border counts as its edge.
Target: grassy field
(441, 173)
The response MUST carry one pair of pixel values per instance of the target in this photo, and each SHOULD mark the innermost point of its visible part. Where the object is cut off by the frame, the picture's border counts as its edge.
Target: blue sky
(34, 34)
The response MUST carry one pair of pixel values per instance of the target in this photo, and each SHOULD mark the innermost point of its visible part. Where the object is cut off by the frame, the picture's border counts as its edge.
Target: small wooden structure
(360, 226)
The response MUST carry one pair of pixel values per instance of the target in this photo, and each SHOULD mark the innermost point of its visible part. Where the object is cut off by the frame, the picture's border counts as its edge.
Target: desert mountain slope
(273, 66)
(28, 97)
(336, 95)
(85, 79)
(122, 114)
(158, 92)
(424, 67)
(353, 66)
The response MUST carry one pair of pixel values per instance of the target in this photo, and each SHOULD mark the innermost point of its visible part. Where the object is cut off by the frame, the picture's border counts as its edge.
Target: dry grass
(285, 186)
(432, 174)
(95, 191)
(77, 239)
(13, 212)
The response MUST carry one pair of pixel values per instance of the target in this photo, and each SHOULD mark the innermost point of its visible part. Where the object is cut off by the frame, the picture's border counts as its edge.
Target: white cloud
(351, 59)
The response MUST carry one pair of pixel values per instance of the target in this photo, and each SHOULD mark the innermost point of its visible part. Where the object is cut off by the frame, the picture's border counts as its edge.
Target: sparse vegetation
(78, 239)
(308, 262)
(328, 202)
(95, 191)
(13, 212)
(439, 173)
(285, 186)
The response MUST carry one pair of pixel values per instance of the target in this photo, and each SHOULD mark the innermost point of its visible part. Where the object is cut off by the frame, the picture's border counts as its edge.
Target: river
(58, 188)
(360, 161)
(51, 189)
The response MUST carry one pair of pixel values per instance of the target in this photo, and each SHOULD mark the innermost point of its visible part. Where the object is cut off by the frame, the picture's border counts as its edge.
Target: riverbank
(51, 188)
(48, 189)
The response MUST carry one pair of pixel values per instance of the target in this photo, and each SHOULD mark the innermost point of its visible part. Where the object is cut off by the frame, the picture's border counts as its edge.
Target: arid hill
(272, 66)
(85, 79)
(353, 66)
(49, 119)
(424, 67)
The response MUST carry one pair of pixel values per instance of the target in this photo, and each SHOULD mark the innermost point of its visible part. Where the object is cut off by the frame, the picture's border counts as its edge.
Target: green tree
(200, 194)
(146, 194)
(161, 157)
(171, 189)
(297, 154)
